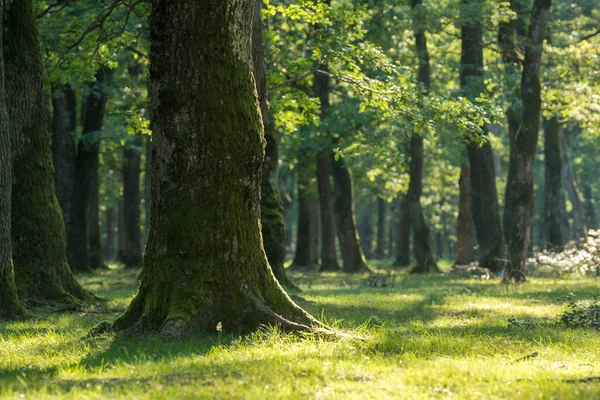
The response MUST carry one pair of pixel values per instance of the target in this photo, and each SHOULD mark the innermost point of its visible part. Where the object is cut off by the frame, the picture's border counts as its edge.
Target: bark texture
(486, 210)
(553, 206)
(38, 231)
(204, 262)
(329, 260)
(422, 241)
(131, 251)
(10, 308)
(466, 238)
(519, 201)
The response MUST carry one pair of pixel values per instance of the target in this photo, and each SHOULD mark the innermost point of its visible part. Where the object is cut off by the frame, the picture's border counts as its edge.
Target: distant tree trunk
(109, 247)
(328, 252)
(94, 236)
(86, 175)
(422, 242)
(343, 210)
(121, 241)
(466, 237)
(579, 230)
(131, 253)
(553, 234)
(519, 201)
(314, 231)
(9, 302)
(303, 257)
(590, 207)
(64, 124)
(484, 203)
(403, 233)
(381, 214)
(205, 263)
(365, 230)
(147, 185)
(42, 273)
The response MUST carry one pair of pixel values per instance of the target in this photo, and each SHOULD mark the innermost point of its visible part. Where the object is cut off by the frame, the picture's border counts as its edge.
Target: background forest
(417, 154)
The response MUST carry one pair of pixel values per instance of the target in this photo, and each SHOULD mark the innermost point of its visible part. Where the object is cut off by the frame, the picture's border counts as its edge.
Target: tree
(466, 239)
(553, 199)
(9, 302)
(42, 273)
(131, 252)
(204, 262)
(518, 214)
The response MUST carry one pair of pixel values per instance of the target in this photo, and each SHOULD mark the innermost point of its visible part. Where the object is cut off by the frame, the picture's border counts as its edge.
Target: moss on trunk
(204, 261)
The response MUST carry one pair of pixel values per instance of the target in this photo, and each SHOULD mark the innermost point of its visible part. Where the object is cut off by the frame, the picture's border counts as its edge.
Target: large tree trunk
(86, 176)
(64, 124)
(205, 263)
(466, 238)
(519, 191)
(579, 230)
(422, 242)
(380, 247)
(403, 233)
(131, 252)
(553, 207)
(9, 302)
(328, 252)
(343, 209)
(42, 273)
(486, 210)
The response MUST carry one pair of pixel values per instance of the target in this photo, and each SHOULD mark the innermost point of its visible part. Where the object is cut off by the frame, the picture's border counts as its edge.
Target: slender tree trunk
(553, 234)
(590, 207)
(466, 237)
(422, 242)
(343, 206)
(86, 177)
(365, 230)
(393, 228)
(64, 123)
(147, 186)
(121, 241)
(381, 214)
(9, 302)
(94, 236)
(42, 273)
(484, 203)
(303, 257)
(328, 252)
(403, 233)
(314, 231)
(205, 263)
(131, 253)
(109, 246)
(579, 230)
(519, 191)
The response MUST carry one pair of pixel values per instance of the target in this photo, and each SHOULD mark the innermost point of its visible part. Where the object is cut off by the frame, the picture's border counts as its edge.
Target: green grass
(426, 337)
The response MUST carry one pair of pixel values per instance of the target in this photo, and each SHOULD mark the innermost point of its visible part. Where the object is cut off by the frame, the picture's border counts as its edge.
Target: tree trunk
(403, 233)
(328, 252)
(94, 236)
(9, 302)
(519, 191)
(484, 203)
(131, 252)
(147, 186)
(579, 230)
(41, 270)
(343, 210)
(380, 248)
(553, 234)
(86, 176)
(365, 230)
(64, 124)
(205, 263)
(590, 207)
(109, 246)
(314, 231)
(303, 257)
(466, 238)
(422, 242)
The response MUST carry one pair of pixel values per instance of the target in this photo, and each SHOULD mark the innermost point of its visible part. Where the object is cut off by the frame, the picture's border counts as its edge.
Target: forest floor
(424, 337)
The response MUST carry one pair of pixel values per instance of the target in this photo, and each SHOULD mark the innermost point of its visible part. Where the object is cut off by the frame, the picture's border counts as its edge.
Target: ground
(425, 337)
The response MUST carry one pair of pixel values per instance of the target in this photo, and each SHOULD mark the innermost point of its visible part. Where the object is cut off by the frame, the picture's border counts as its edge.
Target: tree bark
(403, 233)
(147, 186)
(466, 237)
(381, 214)
(94, 236)
(365, 230)
(64, 124)
(42, 273)
(131, 252)
(484, 203)
(422, 241)
(109, 246)
(519, 191)
(10, 308)
(329, 260)
(590, 207)
(205, 263)
(579, 229)
(303, 257)
(86, 176)
(353, 259)
(553, 234)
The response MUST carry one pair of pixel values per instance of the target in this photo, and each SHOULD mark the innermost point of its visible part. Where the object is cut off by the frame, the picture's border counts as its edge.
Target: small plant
(582, 314)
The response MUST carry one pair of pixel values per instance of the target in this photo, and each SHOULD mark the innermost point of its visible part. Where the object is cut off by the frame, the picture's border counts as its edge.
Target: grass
(427, 337)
